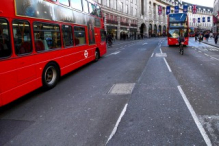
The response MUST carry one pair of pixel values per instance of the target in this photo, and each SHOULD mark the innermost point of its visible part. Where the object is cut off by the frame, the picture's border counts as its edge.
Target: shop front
(124, 31)
(133, 33)
(112, 30)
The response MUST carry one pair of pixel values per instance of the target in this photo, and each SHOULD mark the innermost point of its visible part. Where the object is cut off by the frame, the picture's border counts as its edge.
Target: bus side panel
(84, 55)
(100, 44)
(19, 91)
(7, 8)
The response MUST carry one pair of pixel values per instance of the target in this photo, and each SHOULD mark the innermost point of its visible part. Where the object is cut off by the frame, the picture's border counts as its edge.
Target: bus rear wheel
(50, 76)
(97, 55)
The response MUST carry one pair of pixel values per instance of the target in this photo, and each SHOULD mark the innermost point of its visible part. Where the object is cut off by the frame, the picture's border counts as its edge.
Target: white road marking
(114, 53)
(214, 58)
(117, 123)
(161, 50)
(152, 54)
(195, 118)
(167, 65)
(144, 43)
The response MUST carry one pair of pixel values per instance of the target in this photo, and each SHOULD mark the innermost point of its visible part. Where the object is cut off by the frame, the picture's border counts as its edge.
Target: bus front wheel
(50, 76)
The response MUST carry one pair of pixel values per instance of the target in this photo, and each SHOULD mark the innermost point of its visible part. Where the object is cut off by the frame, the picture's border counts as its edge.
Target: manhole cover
(161, 55)
(123, 88)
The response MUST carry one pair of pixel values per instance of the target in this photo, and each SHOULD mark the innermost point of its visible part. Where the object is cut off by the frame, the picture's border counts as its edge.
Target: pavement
(211, 42)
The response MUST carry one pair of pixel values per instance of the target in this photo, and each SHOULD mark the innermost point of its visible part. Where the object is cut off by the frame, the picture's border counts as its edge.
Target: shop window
(5, 42)
(79, 35)
(67, 35)
(76, 4)
(22, 37)
(46, 36)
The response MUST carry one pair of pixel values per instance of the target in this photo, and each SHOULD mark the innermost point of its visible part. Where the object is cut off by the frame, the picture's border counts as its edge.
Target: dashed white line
(117, 123)
(167, 65)
(195, 118)
(114, 53)
(214, 58)
(161, 50)
(152, 54)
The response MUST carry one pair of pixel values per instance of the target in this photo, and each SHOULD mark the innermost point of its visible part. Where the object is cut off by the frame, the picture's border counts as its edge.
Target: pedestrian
(216, 38)
(207, 37)
(211, 35)
(200, 38)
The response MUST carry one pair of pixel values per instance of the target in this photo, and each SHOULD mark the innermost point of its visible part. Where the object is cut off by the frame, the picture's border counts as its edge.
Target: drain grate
(122, 88)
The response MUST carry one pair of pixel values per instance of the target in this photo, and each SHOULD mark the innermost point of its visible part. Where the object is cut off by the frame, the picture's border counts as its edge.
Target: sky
(208, 3)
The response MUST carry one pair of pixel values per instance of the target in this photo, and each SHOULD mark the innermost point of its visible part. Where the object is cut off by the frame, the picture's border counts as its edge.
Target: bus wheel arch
(97, 54)
(50, 75)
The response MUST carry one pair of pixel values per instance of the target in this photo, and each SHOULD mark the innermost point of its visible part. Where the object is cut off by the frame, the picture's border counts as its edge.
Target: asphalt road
(131, 96)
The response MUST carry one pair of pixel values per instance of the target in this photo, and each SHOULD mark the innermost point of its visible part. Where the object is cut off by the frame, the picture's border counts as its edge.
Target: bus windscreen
(177, 17)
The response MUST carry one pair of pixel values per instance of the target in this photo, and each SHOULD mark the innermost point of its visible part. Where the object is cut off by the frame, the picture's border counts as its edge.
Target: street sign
(159, 10)
(168, 10)
(185, 9)
(194, 20)
(194, 9)
(176, 9)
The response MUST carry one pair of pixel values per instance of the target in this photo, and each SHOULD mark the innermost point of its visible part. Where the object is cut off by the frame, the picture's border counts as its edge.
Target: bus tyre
(50, 76)
(97, 55)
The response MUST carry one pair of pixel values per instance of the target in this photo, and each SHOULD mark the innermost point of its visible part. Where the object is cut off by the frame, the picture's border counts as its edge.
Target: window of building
(98, 9)
(126, 9)
(79, 35)
(76, 4)
(121, 6)
(67, 35)
(46, 36)
(108, 3)
(85, 6)
(64, 2)
(100, 1)
(22, 37)
(92, 9)
(5, 42)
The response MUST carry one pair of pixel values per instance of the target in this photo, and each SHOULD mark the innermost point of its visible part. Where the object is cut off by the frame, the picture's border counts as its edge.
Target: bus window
(5, 47)
(103, 35)
(85, 6)
(64, 2)
(67, 35)
(79, 35)
(92, 9)
(98, 11)
(46, 36)
(22, 37)
(76, 4)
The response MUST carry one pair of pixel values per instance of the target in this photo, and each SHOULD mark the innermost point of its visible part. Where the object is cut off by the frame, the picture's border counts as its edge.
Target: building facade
(216, 16)
(120, 17)
(131, 18)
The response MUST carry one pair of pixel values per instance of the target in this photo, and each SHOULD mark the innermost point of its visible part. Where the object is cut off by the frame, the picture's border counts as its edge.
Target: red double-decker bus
(41, 40)
(177, 23)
